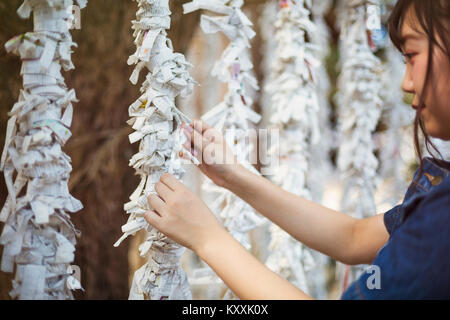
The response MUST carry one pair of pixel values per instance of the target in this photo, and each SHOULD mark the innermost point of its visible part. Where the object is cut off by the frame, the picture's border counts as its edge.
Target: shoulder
(430, 193)
(392, 218)
(427, 191)
(414, 263)
(432, 206)
(432, 172)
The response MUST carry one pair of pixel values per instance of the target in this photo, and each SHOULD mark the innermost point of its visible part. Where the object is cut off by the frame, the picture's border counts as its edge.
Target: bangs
(405, 10)
(396, 21)
(424, 17)
(432, 19)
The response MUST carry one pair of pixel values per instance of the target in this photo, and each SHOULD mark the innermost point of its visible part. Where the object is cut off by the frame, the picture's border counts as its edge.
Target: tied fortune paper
(38, 236)
(295, 113)
(359, 108)
(233, 116)
(156, 121)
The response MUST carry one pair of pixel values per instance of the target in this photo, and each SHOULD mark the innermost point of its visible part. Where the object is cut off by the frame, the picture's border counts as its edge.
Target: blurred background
(101, 178)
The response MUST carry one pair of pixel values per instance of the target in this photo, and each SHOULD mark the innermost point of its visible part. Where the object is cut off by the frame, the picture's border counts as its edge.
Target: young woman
(410, 243)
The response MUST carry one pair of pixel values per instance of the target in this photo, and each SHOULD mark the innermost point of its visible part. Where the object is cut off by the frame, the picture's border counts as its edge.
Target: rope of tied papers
(38, 236)
(156, 121)
(320, 166)
(359, 106)
(295, 113)
(233, 117)
(399, 118)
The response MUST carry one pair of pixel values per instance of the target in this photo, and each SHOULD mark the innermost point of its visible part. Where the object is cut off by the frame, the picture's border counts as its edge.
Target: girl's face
(436, 112)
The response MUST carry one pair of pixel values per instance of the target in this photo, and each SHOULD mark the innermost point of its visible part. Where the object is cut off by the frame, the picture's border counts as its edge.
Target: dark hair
(434, 18)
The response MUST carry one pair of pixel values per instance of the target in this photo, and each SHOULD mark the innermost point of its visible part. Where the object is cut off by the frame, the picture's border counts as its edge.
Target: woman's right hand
(217, 160)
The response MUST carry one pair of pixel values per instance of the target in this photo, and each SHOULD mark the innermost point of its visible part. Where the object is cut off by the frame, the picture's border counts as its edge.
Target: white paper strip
(153, 117)
(233, 116)
(295, 113)
(359, 107)
(38, 236)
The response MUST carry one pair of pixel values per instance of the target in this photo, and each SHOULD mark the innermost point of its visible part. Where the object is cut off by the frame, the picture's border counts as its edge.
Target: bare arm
(245, 275)
(344, 238)
(183, 217)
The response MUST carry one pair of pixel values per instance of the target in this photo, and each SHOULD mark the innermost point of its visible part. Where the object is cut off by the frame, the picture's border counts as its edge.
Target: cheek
(443, 84)
(440, 84)
(419, 72)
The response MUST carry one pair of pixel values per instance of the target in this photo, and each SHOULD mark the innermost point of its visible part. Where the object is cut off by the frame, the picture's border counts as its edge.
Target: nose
(407, 83)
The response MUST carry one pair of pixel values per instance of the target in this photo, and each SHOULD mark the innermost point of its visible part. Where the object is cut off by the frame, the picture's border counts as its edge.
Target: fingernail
(189, 128)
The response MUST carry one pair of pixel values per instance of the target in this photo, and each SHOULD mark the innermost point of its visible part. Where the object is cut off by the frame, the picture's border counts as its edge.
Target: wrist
(232, 178)
(212, 244)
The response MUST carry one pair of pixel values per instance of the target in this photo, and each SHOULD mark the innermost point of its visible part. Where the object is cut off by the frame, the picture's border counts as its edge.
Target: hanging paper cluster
(295, 113)
(267, 30)
(320, 166)
(156, 121)
(319, 161)
(399, 118)
(266, 22)
(38, 236)
(233, 116)
(359, 107)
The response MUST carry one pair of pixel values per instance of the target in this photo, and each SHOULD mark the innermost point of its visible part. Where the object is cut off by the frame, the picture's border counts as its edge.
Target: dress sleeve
(414, 263)
(392, 219)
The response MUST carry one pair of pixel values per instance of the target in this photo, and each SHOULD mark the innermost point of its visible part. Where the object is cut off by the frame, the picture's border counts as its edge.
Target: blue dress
(415, 262)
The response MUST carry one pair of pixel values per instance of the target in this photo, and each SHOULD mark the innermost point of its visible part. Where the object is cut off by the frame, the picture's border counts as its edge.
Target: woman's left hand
(180, 214)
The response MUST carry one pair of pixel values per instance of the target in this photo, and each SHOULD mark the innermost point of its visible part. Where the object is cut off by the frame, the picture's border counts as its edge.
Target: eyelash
(407, 57)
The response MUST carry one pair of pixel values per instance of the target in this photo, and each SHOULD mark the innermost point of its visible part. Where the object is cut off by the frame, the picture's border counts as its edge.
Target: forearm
(247, 277)
(320, 228)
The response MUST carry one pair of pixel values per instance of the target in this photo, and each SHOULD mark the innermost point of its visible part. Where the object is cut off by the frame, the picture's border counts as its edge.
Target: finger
(187, 129)
(188, 149)
(212, 135)
(163, 190)
(171, 181)
(200, 129)
(188, 132)
(153, 218)
(196, 140)
(184, 154)
(157, 204)
(187, 143)
(200, 126)
(200, 142)
(190, 156)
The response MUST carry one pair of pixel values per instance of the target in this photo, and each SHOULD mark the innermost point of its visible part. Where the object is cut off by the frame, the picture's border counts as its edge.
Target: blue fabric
(415, 262)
